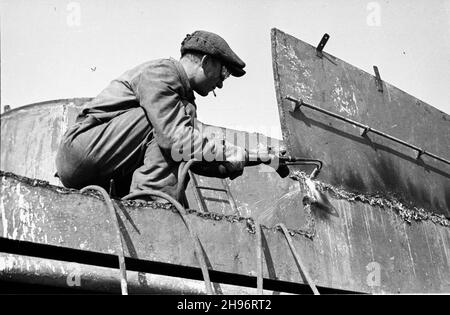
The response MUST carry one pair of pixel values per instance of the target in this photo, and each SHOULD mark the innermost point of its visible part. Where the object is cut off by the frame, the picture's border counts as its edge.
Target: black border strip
(46, 251)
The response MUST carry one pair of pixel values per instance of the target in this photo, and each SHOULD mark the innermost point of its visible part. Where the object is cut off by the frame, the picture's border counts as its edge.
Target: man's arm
(158, 90)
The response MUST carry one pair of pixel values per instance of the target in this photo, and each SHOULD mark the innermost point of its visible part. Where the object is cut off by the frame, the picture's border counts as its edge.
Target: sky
(64, 49)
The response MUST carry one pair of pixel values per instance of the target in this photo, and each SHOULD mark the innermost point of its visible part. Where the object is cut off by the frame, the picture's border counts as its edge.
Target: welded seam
(249, 221)
(407, 214)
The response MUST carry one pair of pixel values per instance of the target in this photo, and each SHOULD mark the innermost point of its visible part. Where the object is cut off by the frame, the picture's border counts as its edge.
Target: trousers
(124, 149)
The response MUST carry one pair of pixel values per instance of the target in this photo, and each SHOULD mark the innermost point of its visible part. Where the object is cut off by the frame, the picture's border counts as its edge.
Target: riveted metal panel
(369, 164)
(359, 246)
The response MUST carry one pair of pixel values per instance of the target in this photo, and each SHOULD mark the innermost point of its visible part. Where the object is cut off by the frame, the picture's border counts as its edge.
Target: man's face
(212, 75)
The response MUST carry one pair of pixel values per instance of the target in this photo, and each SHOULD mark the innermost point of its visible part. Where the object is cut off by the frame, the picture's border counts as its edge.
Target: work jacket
(110, 134)
(161, 87)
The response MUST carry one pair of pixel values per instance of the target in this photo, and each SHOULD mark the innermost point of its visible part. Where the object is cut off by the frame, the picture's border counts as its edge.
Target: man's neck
(190, 68)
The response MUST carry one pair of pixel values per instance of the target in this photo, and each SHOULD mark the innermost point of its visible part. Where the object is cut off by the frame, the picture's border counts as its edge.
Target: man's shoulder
(168, 63)
(158, 67)
(166, 71)
(165, 67)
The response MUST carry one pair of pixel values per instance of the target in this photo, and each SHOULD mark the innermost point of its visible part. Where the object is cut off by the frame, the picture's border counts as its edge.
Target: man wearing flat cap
(130, 131)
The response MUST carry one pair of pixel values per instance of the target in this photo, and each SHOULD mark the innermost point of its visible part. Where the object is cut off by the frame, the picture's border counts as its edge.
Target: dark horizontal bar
(60, 253)
(316, 164)
(211, 188)
(366, 128)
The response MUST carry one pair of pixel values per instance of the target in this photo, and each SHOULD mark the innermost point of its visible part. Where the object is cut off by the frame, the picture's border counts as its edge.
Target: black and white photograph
(225, 153)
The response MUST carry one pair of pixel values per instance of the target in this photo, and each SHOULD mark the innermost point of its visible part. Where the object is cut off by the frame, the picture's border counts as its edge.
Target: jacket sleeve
(160, 92)
(211, 169)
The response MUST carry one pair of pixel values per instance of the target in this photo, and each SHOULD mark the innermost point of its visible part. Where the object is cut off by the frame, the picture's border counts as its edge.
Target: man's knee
(71, 169)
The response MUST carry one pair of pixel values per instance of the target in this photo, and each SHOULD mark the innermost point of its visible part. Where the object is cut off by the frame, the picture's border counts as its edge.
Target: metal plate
(356, 247)
(30, 136)
(355, 163)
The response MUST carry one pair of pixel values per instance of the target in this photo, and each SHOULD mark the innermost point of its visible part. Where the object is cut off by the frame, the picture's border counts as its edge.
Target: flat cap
(214, 45)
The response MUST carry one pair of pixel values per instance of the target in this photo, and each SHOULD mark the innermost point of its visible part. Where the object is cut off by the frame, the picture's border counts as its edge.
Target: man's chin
(202, 93)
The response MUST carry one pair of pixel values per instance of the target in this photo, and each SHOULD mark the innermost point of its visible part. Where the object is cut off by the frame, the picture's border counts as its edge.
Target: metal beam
(349, 237)
(378, 163)
(88, 277)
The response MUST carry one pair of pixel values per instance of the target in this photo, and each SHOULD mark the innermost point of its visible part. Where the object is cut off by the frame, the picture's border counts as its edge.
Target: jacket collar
(189, 93)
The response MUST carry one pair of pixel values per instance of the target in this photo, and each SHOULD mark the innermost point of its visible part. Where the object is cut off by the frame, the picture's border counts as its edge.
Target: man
(135, 129)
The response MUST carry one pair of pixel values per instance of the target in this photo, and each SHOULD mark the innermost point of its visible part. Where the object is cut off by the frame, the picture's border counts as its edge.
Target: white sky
(49, 48)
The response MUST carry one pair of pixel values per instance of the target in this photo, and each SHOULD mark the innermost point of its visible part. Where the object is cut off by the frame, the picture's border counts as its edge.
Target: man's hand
(235, 160)
(269, 156)
(233, 165)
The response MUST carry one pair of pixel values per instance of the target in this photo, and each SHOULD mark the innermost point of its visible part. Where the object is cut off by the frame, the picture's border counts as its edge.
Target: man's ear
(206, 60)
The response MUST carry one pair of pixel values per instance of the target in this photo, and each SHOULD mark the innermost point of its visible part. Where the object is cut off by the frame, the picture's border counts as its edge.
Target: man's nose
(220, 84)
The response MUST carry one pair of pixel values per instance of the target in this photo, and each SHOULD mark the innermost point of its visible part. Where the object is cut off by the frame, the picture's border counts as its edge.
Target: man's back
(125, 92)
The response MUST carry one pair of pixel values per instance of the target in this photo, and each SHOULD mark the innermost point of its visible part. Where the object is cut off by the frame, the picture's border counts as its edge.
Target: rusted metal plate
(30, 136)
(369, 164)
(356, 246)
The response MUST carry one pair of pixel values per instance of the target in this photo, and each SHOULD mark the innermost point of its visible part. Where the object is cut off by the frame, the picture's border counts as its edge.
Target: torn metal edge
(406, 213)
